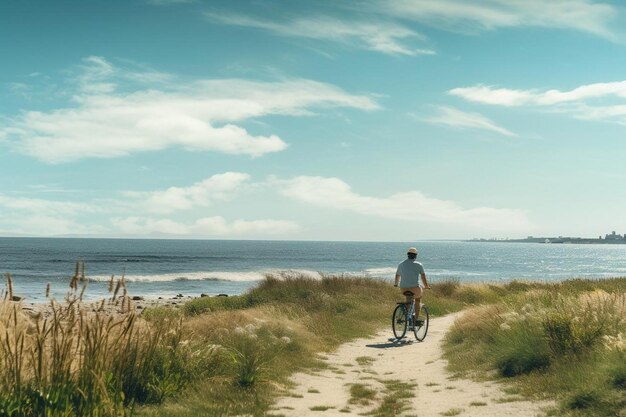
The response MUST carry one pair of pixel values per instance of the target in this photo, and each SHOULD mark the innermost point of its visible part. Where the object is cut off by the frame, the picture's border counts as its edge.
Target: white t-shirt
(410, 272)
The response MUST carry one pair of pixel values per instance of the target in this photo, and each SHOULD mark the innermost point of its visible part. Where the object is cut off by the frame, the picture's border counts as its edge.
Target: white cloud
(196, 116)
(584, 92)
(43, 206)
(43, 217)
(583, 102)
(452, 117)
(510, 97)
(218, 187)
(459, 15)
(118, 217)
(411, 206)
(38, 224)
(496, 96)
(94, 71)
(385, 37)
(207, 226)
(381, 25)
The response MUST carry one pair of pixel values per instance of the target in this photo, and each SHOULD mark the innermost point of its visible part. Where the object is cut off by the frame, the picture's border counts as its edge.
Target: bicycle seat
(408, 293)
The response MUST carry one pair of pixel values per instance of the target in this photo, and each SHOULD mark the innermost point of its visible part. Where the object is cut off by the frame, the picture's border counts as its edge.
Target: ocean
(157, 267)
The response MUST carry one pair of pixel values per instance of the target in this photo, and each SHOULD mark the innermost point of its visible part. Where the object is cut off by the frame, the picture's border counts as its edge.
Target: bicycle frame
(411, 312)
(405, 320)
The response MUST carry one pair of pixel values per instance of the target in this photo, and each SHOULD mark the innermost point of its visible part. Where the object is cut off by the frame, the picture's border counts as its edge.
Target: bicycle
(402, 320)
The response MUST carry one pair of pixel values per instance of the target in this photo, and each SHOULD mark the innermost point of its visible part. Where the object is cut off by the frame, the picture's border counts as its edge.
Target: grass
(75, 362)
(227, 356)
(315, 315)
(563, 340)
(395, 400)
(364, 360)
(321, 407)
(452, 412)
(361, 394)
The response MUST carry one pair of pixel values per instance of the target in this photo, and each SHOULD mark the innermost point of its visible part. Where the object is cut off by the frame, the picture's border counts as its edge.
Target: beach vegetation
(395, 400)
(226, 356)
(361, 394)
(452, 412)
(562, 340)
(69, 360)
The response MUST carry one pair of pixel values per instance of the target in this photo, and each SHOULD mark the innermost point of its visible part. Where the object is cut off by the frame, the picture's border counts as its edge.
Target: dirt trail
(376, 362)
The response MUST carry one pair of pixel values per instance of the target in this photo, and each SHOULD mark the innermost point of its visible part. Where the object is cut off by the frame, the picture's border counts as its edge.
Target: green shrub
(577, 325)
(584, 399)
(446, 287)
(252, 348)
(617, 370)
(559, 334)
(201, 305)
(517, 286)
(520, 350)
(469, 295)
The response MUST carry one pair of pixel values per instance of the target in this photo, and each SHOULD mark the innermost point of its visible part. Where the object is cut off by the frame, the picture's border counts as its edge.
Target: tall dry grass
(565, 339)
(217, 356)
(73, 360)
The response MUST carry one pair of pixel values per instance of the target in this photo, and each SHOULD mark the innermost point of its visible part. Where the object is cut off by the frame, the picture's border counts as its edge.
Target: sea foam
(233, 276)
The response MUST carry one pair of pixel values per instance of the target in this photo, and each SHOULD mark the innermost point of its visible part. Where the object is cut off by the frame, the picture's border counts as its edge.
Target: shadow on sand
(391, 343)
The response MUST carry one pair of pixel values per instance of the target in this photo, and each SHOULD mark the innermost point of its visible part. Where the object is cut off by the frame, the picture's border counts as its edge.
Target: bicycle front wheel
(399, 321)
(421, 327)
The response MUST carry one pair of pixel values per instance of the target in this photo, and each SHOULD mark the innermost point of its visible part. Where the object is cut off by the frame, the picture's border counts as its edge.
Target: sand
(437, 392)
(121, 305)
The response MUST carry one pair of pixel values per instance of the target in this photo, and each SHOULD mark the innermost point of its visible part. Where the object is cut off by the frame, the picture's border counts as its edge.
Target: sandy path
(437, 391)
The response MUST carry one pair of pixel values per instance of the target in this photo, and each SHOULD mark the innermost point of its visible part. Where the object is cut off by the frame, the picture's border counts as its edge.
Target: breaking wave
(232, 276)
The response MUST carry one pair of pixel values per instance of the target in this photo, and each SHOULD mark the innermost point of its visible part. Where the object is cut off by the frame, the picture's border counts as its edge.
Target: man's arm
(397, 280)
(424, 280)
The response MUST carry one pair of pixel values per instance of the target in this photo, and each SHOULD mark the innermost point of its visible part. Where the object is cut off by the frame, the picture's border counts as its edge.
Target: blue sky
(374, 120)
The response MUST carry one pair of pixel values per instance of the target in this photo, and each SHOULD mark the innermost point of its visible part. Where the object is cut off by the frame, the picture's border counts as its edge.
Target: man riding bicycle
(407, 276)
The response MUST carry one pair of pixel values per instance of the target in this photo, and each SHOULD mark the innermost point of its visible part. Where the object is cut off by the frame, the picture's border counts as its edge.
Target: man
(408, 276)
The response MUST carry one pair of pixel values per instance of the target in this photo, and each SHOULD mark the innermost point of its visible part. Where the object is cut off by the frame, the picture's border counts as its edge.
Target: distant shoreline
(557, 240)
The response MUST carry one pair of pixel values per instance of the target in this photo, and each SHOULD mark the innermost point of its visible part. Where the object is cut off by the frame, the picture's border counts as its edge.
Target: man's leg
(408, 299)
(418, 300)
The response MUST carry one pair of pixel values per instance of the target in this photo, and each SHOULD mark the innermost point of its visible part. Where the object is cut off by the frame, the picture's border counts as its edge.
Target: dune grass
(564, 340)
(75, 361)
(313, 316)
(273, 330)
(227, 356)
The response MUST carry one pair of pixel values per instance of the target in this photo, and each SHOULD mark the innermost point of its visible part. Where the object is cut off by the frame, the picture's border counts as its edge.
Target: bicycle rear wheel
(399, 321)
(420, 330)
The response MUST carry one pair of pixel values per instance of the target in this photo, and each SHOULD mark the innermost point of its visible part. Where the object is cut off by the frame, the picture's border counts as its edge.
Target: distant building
(614, 236)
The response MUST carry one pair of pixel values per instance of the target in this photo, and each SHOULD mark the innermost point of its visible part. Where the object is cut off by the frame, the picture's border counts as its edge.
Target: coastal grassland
(81, 361)
(217, 356)
(270, 332)
(280, 327)
(565, 341)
